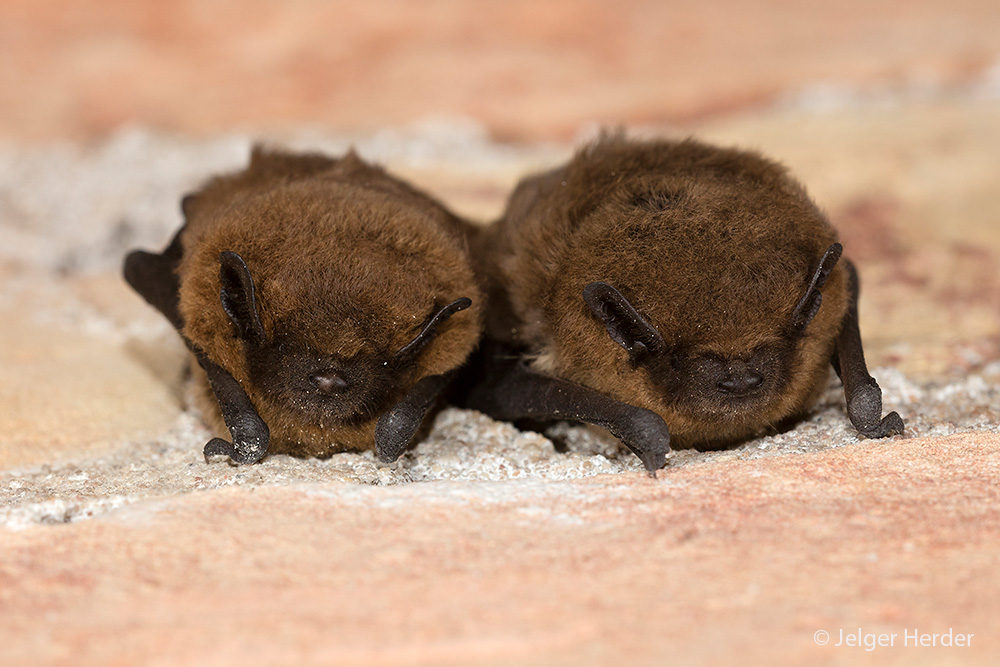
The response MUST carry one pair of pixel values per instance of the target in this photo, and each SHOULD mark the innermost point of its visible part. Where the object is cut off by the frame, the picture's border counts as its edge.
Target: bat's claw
(219, 447)
(653, 460)
(649, 438)
(243, 455)
(891, 424)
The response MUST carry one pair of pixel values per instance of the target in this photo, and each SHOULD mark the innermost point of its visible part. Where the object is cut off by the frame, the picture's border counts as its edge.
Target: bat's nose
(329, 383)
(740, 379)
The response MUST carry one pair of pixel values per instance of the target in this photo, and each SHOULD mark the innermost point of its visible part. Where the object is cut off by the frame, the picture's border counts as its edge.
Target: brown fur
(714, 247)
(348, 263)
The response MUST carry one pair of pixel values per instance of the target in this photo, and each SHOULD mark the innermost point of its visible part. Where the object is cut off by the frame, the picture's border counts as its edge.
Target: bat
(319, 298)
(671, 292)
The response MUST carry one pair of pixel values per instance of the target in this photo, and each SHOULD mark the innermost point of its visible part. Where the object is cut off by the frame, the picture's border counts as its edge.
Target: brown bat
(670, 292)
(316, 295)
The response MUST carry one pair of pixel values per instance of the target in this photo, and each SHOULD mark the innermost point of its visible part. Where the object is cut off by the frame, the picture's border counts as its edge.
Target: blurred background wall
(524, 69)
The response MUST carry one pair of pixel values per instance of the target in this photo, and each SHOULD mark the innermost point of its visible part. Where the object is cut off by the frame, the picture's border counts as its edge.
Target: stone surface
(738, 561)
(69, 385)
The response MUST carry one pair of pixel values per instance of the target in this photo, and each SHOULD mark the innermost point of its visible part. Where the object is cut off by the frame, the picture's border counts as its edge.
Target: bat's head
(329, 362)
(726, 382)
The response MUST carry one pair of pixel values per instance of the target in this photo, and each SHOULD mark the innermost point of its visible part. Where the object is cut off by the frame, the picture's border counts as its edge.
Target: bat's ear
(809, 304)
(624, 323)
(412, 350)
(239, 298)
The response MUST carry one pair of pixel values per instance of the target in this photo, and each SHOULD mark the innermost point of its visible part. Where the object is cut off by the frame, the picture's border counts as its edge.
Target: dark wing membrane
(154, 277)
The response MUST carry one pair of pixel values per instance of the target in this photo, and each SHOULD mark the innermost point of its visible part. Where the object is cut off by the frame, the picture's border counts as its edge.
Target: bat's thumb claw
(219, 447)
(648, 438)
(654, 459)
(892, 424)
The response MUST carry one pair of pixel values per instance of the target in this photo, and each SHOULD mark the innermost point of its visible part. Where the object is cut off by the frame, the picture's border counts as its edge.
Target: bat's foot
(864, 407)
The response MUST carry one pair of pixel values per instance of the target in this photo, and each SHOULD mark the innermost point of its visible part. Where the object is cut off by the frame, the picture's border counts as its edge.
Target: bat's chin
(721, 426)
(733, 411)
(328, 412)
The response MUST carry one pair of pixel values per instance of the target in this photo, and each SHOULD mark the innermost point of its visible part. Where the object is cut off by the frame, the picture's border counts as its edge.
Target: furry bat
(316, 295)
(670, 292)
